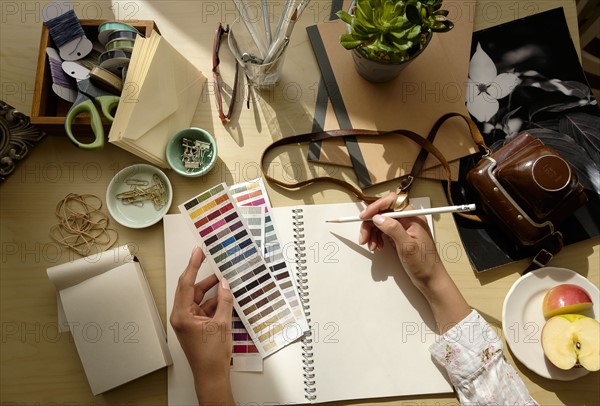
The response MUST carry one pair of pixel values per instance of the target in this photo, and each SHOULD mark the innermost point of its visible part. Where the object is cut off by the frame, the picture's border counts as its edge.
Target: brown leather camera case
(526, 188)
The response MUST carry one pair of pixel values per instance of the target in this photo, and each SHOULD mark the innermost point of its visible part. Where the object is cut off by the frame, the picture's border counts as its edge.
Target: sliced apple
(565, 299)
(571, 340)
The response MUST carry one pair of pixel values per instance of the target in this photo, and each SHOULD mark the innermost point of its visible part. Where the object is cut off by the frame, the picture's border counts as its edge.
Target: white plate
(133, 216)
(523, 318)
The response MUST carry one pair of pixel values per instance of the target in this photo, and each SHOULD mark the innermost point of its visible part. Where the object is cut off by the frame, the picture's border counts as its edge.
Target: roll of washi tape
(124, 73)
(120, 44)
(105, 29)
(122, 34)
(115, 61)
(106, 80)
(108, 55)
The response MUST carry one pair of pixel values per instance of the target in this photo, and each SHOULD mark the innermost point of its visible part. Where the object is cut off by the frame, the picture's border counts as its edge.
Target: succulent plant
(391, 31)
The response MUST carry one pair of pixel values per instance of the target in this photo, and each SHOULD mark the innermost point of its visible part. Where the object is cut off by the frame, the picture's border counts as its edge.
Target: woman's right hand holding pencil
(418, 255)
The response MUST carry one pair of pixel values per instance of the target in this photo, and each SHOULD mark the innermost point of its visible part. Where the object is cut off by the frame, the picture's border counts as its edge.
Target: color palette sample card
(274, 256)
(254, 194)
(255, 218)
(221, 230)
(245, 356)
(251, 193)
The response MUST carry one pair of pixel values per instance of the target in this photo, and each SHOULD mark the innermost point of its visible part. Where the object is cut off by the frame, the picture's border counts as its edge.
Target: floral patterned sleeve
(472, 354)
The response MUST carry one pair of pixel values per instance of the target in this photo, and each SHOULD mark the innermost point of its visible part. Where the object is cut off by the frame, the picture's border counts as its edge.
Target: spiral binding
(302, 283)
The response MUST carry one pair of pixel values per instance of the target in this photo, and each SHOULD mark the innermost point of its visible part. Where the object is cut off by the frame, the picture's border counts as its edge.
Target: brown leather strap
(477, 138)
(473, 130)
(551, 246)
(425, 143)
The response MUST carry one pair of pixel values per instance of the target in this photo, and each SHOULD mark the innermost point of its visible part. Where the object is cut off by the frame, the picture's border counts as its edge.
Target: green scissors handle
(107, 103)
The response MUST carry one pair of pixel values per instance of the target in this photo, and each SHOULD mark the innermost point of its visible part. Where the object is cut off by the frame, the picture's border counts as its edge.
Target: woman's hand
(411, 237)
(204, 331)
(419, 257)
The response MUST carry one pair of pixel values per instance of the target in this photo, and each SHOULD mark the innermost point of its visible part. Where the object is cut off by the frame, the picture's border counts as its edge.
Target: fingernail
(372, 246)
(361, 214)
(225, 284)
(362, 238)
(378, 219)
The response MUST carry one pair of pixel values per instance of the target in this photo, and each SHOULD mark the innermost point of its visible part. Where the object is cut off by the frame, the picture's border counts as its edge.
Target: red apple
(570, 340)
(564, 299)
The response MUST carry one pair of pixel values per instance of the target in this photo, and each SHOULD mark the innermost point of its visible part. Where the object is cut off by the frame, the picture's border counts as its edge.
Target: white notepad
(112, 316)
(371, 328)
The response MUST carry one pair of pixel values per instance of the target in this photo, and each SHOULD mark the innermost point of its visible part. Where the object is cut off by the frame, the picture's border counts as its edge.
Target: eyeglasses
(217, 76)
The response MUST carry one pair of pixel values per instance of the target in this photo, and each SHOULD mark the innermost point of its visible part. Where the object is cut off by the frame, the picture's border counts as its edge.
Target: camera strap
(548, 247)
(405, 182)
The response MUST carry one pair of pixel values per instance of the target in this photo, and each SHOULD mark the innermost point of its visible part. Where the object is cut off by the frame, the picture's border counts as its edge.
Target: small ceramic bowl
(143, 213)
(197, 147)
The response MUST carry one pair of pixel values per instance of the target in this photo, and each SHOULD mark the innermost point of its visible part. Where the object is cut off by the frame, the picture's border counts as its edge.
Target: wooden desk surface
(40, 366)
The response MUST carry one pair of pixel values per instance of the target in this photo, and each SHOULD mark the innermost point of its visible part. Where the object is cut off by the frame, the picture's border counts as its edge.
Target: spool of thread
(107, 28)
(75, 70)
(122, 34)
(115, 61)
(62, 85)
(106, 80)
(120, 44)
(68, 36)
(89, 62)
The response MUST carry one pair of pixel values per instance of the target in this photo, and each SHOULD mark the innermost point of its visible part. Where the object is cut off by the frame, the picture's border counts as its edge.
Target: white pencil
(265, 13)
(411, 213)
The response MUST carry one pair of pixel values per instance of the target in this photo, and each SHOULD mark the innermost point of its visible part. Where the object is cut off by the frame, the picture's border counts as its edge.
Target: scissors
(87, 96)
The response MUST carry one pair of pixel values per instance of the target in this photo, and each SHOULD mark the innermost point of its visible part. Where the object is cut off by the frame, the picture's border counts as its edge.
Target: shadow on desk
(581, 391)
(574, 257)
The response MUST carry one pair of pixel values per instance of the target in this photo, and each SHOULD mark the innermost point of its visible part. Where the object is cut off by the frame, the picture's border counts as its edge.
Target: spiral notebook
(370, 329)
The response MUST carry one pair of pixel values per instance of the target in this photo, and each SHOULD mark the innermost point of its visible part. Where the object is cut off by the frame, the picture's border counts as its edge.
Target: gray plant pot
(379, 72)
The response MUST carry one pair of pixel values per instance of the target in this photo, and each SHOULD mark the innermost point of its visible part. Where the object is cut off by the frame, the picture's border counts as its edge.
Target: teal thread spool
(107, 28)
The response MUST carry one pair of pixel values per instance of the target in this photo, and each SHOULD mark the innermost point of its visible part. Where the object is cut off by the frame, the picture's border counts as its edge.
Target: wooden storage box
(48, 111)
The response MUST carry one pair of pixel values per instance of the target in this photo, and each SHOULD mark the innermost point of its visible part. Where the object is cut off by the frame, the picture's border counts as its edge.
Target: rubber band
(82, 225)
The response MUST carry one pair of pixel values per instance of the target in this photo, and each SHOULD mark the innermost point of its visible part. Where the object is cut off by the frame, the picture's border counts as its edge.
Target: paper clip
(137, 182)
(136, 196)
(194, 153)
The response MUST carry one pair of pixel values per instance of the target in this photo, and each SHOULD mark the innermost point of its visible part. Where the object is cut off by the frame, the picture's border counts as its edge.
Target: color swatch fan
(225, 237)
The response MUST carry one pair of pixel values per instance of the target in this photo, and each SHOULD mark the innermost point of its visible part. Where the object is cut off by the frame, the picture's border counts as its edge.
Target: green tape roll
(105, 79)
(115, 61)
(121, 45)
(105, 29)
(122, 34)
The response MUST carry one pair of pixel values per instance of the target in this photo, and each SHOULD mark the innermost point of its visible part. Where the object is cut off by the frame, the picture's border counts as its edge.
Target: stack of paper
(159, 98)
(106, 302)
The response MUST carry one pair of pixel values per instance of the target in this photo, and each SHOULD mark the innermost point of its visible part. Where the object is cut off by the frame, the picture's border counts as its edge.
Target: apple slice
(571, 340)
(565, 299)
